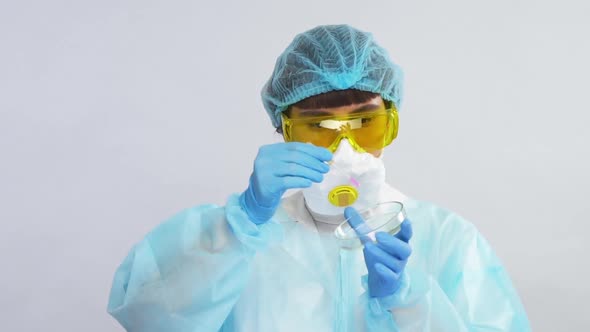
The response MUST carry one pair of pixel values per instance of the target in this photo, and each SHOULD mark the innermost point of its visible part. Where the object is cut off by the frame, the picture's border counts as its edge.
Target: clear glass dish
(384, 217)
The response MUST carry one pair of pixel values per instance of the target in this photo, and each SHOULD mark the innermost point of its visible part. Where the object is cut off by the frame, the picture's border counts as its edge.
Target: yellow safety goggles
(366, 132)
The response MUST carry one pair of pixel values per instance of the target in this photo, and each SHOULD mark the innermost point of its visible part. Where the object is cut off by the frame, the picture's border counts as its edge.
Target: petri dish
(383, 217)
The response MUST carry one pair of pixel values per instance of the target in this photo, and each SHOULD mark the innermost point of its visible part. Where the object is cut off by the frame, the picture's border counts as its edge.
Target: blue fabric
(328, 58)
(210, 268)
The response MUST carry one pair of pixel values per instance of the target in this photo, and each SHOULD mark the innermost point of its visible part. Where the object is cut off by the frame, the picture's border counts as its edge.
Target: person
(271, 262)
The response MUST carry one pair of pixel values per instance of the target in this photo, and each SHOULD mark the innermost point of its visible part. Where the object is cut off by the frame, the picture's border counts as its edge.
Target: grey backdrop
(114, 115)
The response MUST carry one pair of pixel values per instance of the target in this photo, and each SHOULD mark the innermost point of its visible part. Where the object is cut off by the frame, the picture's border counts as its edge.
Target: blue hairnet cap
(328, 58)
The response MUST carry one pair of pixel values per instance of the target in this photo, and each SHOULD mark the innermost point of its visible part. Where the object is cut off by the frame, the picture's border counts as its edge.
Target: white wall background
(116, 114)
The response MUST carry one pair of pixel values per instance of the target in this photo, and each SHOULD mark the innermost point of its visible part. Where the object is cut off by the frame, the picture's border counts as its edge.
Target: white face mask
(363, 171)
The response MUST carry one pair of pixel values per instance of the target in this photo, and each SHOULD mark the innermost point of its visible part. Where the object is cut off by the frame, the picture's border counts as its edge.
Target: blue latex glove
(277, 168)
(385, 259)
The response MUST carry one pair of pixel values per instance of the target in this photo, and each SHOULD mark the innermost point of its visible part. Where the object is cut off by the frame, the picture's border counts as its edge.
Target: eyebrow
(364, 108)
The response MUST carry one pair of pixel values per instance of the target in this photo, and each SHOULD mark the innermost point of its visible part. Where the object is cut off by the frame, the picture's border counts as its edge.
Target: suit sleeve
(188, 273)
(475, 282)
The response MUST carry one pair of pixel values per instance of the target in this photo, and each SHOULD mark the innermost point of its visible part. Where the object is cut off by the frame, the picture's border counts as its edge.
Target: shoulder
(438, 228)
(442, 238)
(426, 214)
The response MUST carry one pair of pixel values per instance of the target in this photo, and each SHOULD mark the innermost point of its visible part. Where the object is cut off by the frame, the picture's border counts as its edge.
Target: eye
(314, 125)
(366, 120)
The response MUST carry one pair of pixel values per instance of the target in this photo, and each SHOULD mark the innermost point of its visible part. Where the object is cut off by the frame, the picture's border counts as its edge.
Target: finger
(293, 169)
(354, 218)
(385, 277)
(317, 152)
(405, 233)
(382, 281)
(357, 223)
(393, 246)
(384, 273)
(294, 182)
(375, 254)
(305, 160)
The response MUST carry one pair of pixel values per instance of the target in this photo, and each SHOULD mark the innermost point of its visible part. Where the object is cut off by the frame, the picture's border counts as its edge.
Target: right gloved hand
(386, 258)
(279, 167)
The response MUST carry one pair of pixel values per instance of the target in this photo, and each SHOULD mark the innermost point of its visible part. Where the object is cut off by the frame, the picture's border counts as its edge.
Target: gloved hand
(385, 259)
(279, 167)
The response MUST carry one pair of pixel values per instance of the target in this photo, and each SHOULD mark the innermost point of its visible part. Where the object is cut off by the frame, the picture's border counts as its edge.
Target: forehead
(371, 105)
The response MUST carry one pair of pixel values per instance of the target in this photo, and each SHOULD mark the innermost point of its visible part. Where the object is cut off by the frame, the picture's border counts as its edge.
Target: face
(367, 107)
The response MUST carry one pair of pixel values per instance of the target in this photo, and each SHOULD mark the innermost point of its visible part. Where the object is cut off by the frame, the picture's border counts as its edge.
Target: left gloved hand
(385, 259)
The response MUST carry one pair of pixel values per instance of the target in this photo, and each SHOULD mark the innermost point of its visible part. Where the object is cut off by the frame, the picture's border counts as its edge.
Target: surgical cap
(328, 58)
